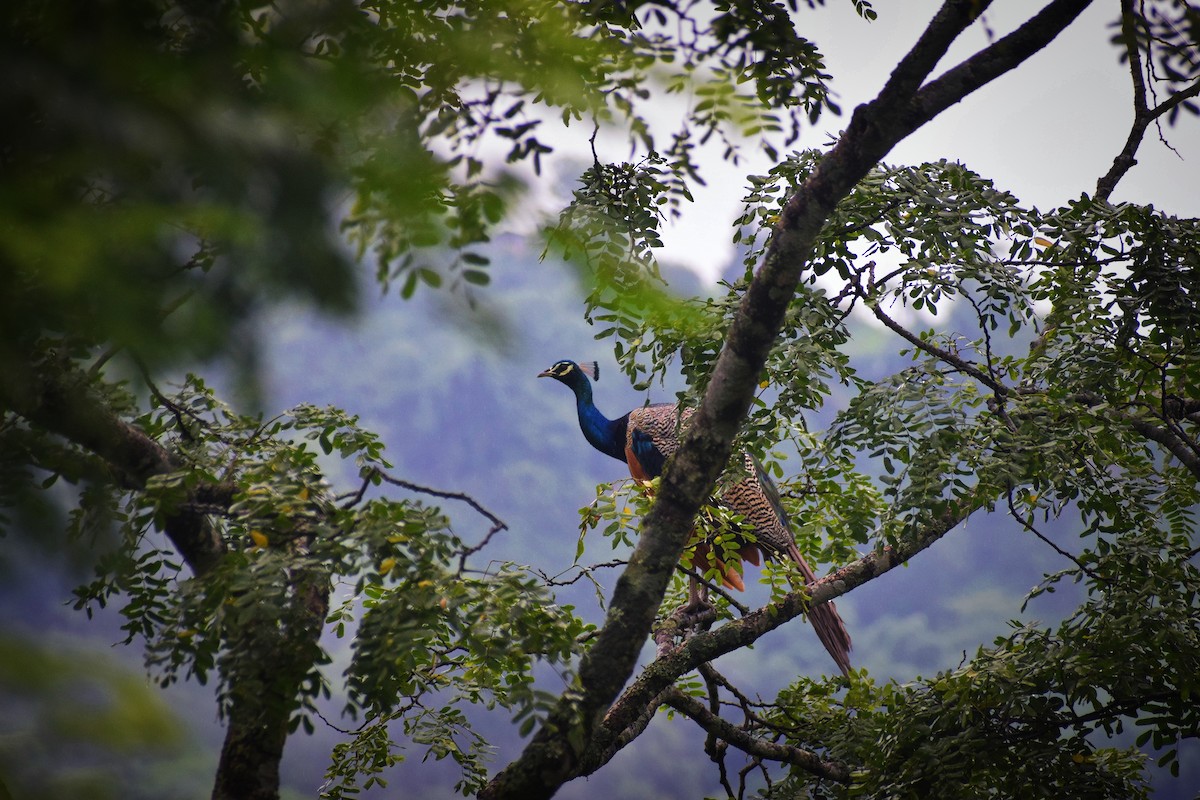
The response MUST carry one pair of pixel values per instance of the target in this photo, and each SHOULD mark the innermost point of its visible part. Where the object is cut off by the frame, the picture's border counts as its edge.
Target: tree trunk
(262, 701)
(249, 766)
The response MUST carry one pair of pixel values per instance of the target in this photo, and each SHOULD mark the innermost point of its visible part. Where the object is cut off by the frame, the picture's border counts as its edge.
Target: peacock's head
(571, 373)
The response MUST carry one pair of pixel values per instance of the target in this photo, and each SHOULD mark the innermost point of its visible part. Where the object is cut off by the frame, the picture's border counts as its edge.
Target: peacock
(646, 437)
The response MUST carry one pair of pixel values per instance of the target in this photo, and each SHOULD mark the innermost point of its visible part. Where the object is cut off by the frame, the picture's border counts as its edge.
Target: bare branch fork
(751, 744)
(580, 570)
(722, 732)
(497, 523)
(1143, 114)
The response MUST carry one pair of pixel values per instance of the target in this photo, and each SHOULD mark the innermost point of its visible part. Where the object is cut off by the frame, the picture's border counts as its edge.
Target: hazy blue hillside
(454, 394)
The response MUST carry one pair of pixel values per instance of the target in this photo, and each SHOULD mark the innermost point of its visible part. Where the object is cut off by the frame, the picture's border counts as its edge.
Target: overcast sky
(1046, 131)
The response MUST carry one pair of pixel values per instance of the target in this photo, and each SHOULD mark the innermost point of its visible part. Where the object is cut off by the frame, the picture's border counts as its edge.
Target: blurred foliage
(82, 726)
(170, 167)
(151, 158)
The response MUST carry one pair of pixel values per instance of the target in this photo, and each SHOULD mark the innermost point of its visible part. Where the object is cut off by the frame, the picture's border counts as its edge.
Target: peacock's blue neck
(604, 434)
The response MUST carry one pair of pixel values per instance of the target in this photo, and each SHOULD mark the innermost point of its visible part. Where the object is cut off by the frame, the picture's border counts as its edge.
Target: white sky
(1046, 131)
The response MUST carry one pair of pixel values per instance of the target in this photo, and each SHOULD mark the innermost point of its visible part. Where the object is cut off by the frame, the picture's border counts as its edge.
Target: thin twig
(852, 229)
(714, 746)
(346, 731)
(178, 411)
(960, 364)
(710, 673)
(356, 497)
(1028, 525)
(583, 572)
(497, 523)
(714, 588)
(1143, 114)
(470, 551)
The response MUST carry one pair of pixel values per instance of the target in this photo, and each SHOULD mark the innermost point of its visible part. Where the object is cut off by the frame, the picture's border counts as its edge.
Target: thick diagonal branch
(554, 754)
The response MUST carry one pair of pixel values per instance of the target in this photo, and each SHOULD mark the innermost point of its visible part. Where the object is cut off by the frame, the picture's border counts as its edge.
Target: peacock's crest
(566, 368)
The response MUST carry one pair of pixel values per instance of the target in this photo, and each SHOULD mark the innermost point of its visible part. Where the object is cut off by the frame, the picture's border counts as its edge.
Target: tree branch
(663, 671)
(23, 444)
(998, 58)
(1155, 433)
(1027, 524)
(497, 523)
(960, 364)
(1143, 115)
(54, 395)
(752, 745)
(1177, 447)
(595, 759)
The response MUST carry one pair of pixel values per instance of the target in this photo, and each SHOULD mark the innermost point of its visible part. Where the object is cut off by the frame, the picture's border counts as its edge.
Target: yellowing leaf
(260, 539)
(304, 493)
(1038, 240)
(386, 565)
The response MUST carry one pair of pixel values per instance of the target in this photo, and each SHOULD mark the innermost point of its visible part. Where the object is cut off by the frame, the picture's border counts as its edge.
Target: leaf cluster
(1027, 716)
(1060, 382)
(434, 635)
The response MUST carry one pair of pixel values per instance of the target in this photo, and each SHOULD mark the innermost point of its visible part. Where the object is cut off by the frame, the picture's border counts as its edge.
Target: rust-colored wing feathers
(652, 436)
(646, 437)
